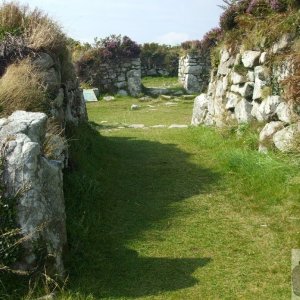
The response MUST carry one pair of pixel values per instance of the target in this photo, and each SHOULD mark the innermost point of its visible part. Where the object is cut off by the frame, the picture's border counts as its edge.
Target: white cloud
(172, 38)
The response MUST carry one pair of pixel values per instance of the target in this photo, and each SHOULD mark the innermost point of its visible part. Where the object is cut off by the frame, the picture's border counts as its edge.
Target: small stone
(108, 98)
(171, 104)
(200, 110)
(134, 107)
(166, 97)
(136, 126)
(177, 126)
(158, 126)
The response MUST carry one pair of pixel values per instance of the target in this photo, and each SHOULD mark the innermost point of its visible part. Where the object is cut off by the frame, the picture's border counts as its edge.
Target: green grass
(177, 214)
(117, 113)
(162, 82)
(191, 213)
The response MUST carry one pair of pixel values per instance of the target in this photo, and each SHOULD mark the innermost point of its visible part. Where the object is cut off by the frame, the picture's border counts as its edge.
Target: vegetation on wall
(110, 50)
(204, 46)
(156, 56)
(23, 34)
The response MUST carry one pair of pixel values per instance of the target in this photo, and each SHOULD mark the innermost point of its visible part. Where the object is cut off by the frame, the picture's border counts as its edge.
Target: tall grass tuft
(21, 88)
(39, 31)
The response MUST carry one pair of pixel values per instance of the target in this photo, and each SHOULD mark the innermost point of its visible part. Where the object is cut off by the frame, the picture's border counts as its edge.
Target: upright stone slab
(37, 185)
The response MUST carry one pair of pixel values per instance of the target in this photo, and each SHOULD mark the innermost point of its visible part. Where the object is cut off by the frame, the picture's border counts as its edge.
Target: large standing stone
(134, 82)
(192, 84)
(38, 182)
(200, 109)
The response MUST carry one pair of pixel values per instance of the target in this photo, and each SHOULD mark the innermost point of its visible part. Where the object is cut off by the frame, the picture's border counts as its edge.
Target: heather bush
(228, 18)
(117, 47)
(259, 8)
(204, 46)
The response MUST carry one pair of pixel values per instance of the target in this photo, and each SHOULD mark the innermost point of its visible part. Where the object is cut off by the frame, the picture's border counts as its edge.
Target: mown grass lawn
(177, 213)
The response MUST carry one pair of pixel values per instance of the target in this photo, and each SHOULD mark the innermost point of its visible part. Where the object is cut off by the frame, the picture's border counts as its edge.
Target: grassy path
(177, 213)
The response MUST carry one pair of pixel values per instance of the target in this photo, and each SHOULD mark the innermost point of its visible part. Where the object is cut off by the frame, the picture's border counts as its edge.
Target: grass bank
(177, 213)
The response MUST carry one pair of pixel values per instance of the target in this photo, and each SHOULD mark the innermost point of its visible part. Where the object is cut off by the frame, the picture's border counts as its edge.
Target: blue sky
(163, 21)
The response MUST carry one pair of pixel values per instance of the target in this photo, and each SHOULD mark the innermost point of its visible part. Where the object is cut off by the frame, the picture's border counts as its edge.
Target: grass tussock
(39, 31)
(21, 88)
(256, 33)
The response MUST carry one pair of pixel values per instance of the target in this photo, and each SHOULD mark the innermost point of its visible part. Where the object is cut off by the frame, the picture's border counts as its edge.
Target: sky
(162, 21)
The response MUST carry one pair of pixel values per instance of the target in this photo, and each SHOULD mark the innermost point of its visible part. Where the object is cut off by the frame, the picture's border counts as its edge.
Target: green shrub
(155, 56)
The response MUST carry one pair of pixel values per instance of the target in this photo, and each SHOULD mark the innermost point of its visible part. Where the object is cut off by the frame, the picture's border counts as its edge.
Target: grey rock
(267, 133)
(268, 107)
(158, 126)
(134, 107)
(232, 100)
(175, 126)
(285, 113)
(108, 98)
(236, 78)
(192, 84)
(38, 182)
(250, 59)
(263, 58)
(284, 139)
(245, 90)
(243, 111)
(283, 42)
(200, 110)
(137, 126)
(166, 97)
(225, 67)
(134, 82)
(44, 61)
(195, 70)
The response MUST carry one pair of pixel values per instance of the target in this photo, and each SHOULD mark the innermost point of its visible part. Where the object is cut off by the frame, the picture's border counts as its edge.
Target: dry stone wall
(193, 73)
(246, 87)
(122, 77)
(32, 175)
(154, 71)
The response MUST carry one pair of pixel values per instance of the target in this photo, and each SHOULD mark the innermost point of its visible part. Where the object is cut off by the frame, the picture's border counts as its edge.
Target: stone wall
(32, 160)
(36, 182)
(154, 71)
(193, 73)
(246, 87)
(123, 77)
(66, 100)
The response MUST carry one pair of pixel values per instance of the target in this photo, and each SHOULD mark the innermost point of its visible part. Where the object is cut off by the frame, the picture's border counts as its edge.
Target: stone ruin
(193, 72)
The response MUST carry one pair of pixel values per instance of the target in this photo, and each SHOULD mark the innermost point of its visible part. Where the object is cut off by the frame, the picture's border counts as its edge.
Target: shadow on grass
(115, 189)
